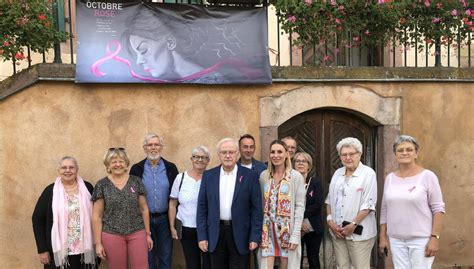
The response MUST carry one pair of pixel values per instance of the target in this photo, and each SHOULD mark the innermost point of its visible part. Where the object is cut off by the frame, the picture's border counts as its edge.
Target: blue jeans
(162, 243)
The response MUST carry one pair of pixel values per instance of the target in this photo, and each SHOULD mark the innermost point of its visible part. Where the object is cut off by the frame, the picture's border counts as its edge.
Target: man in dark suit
(158, 176)
(229, 214)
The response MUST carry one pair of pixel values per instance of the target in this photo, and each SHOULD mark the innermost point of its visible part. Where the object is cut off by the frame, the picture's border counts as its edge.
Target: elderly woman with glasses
(184, 195)
(351, 205)
(62, 220)
(121, 221)
(312, 227)
(412, 210)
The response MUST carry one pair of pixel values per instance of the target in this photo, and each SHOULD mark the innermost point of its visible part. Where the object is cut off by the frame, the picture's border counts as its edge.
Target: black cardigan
(43, 219)
(314, 202)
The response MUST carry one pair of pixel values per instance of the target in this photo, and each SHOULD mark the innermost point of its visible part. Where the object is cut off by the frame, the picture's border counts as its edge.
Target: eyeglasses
(350, 154)
(407, 150)
(67, 168)
(198, 158)
(116, 149)
(156, 145)
(228, 152)
(301, 161)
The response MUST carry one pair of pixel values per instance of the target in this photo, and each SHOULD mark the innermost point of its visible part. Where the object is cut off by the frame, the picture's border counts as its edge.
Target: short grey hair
(68, 158)
(201, 148)
(150, 136)
(227, 139)
(405, 138)
(349, 142)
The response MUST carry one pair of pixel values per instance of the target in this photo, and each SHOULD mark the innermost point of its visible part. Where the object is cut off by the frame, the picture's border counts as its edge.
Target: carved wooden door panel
(317, 133)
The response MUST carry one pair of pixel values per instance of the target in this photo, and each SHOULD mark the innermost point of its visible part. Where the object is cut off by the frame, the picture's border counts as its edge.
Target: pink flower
(356, 38)
(367, 32)
(326, 58)
(468, 12)
(292, 19)
(240, 179)
(464, 4)
(338, 21)
(19, 56)
(6, 44)
(341, 8)
(427, 3)
(333, 3)
(436, 20)
(439, 5)
(308, 2)
(454, 12)
(41, 17)
(381, 2)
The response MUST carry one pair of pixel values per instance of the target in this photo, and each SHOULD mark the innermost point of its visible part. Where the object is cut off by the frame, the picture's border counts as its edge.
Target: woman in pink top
(412, 210)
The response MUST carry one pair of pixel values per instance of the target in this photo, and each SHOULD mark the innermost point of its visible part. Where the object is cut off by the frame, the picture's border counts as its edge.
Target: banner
(171, 43)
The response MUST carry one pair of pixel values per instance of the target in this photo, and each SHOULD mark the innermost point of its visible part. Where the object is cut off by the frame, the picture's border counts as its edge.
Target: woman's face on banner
(153, 55)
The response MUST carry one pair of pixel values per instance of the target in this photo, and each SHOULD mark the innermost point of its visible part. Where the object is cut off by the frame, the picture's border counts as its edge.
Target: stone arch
(384, 112)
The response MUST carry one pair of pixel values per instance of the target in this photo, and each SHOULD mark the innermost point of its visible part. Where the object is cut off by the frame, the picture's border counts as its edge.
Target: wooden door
(317, 133)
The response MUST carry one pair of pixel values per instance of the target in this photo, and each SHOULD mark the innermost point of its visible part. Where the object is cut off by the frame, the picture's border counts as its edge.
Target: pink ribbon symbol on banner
(248, 72)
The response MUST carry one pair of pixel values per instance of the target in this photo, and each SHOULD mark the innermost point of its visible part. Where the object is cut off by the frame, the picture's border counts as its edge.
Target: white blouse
(187, 198)
(346, 197)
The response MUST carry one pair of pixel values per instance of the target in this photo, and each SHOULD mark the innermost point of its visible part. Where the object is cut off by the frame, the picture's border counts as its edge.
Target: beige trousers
(355, 253)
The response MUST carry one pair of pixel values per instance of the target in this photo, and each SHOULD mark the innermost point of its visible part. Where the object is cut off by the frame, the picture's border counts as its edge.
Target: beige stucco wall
(51, 119)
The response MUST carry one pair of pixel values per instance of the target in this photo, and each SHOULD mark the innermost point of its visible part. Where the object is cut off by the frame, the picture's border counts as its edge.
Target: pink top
(408, 204)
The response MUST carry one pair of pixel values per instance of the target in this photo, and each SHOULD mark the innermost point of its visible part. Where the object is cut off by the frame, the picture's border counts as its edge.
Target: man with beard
(158, 176)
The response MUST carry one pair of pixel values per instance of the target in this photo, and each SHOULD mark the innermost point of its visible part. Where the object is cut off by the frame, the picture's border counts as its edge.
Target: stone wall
(49, 119)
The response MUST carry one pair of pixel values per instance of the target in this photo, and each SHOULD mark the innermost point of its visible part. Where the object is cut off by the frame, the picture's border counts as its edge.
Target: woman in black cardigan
(64, 236)
(312, 228)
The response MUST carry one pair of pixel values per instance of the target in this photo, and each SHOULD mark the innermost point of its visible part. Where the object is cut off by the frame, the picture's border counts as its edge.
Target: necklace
(71, 189)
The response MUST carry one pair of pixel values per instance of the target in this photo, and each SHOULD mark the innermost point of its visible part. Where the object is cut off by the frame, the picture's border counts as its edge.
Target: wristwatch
(354, 223)
(435, 236)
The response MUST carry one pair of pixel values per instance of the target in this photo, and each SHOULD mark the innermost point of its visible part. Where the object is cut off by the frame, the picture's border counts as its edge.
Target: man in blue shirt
(158, 176)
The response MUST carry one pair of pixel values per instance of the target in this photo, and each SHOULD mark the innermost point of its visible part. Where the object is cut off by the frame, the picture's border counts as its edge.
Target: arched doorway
(317, 133)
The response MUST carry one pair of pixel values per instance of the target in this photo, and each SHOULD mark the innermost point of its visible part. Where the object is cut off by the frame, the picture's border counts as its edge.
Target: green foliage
(375, 22)
(26, 23)
(443, 21)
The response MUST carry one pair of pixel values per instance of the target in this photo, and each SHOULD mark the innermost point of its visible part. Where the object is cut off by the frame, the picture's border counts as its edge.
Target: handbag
(178, 224)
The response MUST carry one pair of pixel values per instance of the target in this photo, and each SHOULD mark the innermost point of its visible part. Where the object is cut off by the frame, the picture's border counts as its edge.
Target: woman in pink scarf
(62, 221)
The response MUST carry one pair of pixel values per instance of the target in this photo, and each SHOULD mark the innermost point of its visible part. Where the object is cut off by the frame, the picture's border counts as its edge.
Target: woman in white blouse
(351, 207)
(184, 195)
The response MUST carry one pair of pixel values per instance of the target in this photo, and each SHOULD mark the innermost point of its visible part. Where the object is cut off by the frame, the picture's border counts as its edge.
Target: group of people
(238, 208)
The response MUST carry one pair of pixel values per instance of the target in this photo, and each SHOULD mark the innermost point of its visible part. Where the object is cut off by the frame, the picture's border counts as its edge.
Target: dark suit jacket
(314, 202)
(171, 170)
(246, 209)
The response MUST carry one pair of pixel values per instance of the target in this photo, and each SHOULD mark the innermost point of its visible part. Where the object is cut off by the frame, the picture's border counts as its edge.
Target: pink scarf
(59, 233)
